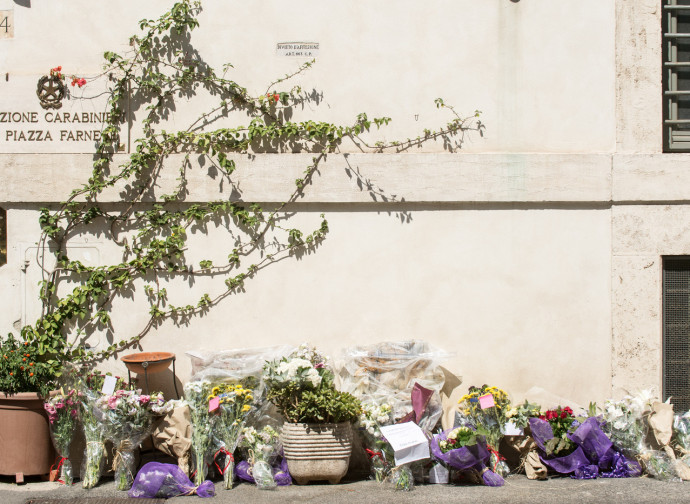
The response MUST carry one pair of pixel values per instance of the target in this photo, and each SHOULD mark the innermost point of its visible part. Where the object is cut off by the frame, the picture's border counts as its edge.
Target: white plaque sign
(298, 49)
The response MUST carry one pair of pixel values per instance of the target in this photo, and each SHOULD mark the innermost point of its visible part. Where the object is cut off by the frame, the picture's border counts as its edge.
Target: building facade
(536, 251)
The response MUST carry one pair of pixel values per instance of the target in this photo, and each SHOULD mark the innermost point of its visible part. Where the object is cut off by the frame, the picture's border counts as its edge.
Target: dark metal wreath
(50, 92)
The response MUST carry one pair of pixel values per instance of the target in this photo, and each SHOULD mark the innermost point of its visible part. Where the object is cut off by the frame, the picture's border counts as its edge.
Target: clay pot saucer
(155, 361)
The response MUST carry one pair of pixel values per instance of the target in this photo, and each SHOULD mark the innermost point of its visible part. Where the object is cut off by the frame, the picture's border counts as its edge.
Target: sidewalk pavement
(517, 489)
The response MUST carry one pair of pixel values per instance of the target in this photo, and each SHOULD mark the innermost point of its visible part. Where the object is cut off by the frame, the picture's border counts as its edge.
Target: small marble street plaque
(298, 49)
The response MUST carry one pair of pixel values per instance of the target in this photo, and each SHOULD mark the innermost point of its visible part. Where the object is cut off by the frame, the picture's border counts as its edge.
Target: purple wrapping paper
(420, 397)
(466, 458)
(594, 455)
(155, 479)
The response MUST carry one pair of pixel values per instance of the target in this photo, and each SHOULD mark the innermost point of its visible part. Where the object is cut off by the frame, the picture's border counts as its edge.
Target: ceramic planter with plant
(317, 434)
(25, 379)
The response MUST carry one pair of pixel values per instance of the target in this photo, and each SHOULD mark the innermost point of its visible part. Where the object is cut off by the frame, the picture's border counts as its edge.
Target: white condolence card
(408, 442)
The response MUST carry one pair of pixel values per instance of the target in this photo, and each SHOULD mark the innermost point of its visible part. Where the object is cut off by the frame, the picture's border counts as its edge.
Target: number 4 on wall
(6, 24)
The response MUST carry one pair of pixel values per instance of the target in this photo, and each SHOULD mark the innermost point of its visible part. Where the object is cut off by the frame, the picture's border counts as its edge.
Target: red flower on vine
(76, 81)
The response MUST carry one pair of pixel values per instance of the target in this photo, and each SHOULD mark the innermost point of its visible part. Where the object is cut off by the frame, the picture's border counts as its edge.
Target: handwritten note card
(408, 442)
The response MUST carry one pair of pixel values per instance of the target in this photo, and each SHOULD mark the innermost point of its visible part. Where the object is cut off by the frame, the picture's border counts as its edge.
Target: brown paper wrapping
(173, 436)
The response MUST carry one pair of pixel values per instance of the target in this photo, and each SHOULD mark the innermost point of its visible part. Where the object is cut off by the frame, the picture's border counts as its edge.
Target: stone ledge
(343, 178)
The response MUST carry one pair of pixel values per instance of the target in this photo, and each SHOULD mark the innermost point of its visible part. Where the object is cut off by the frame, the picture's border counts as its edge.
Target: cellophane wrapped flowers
(625, 422)
(261, 448)
(463, 449)
(380, 454)
(230, 403)
(94, 434)
(562, 423)
(127, 418)
(197, 394)
(487, 407)
(63, 415)
(681, 433)
(521, 414)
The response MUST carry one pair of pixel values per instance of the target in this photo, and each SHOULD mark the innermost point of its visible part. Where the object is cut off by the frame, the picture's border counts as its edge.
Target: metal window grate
(676, 331)
(676, 75)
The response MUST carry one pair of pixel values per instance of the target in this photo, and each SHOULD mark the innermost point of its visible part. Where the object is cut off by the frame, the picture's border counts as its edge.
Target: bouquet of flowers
(63, 414)
(261, 447)
(521, 414)
(579, 446)
(231, 404)
(681, 432)
(487, 408)
(90, 386)
(625, 422)
(463, 449)
(127, 417)
(197, 394)
(561, 421)
(371, 419)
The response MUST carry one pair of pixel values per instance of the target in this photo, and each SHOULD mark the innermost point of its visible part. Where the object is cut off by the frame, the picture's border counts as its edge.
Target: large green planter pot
(317, 452)
(25, 445)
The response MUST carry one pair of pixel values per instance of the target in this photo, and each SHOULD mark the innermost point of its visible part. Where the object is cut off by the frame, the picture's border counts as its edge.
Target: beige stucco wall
(533, 253)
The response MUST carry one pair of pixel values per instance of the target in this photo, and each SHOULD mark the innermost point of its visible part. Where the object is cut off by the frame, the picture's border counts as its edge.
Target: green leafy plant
(21, 369)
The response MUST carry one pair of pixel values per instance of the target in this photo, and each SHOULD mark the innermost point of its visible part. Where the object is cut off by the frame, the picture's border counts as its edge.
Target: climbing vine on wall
(152, 232)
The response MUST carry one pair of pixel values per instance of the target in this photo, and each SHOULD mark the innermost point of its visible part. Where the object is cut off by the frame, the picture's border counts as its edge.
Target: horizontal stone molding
(341, 178)
(651, 177)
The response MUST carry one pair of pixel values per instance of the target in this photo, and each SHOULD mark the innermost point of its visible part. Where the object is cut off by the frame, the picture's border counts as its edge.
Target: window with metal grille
(676, 75)
(676, 331)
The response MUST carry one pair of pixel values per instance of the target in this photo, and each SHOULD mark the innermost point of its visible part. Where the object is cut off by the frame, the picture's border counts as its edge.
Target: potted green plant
(25, 380)
(317, 433)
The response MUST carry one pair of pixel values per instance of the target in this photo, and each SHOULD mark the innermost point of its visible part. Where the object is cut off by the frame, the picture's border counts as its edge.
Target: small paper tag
(109, 384)
(486, 401)
(213, 404)
(513, 430)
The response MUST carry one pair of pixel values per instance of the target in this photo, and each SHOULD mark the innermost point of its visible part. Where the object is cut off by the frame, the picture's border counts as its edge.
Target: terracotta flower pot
(25, 445)
(317, 452)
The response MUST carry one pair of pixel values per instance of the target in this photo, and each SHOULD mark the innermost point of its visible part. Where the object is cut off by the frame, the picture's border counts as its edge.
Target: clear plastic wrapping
(127, 417)
(94, 434)
(386, 372)
(232, 403)
(261, 449)
(625, 422)
(63, 415)
(233, 365)
(401, 478)
(196, 394)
